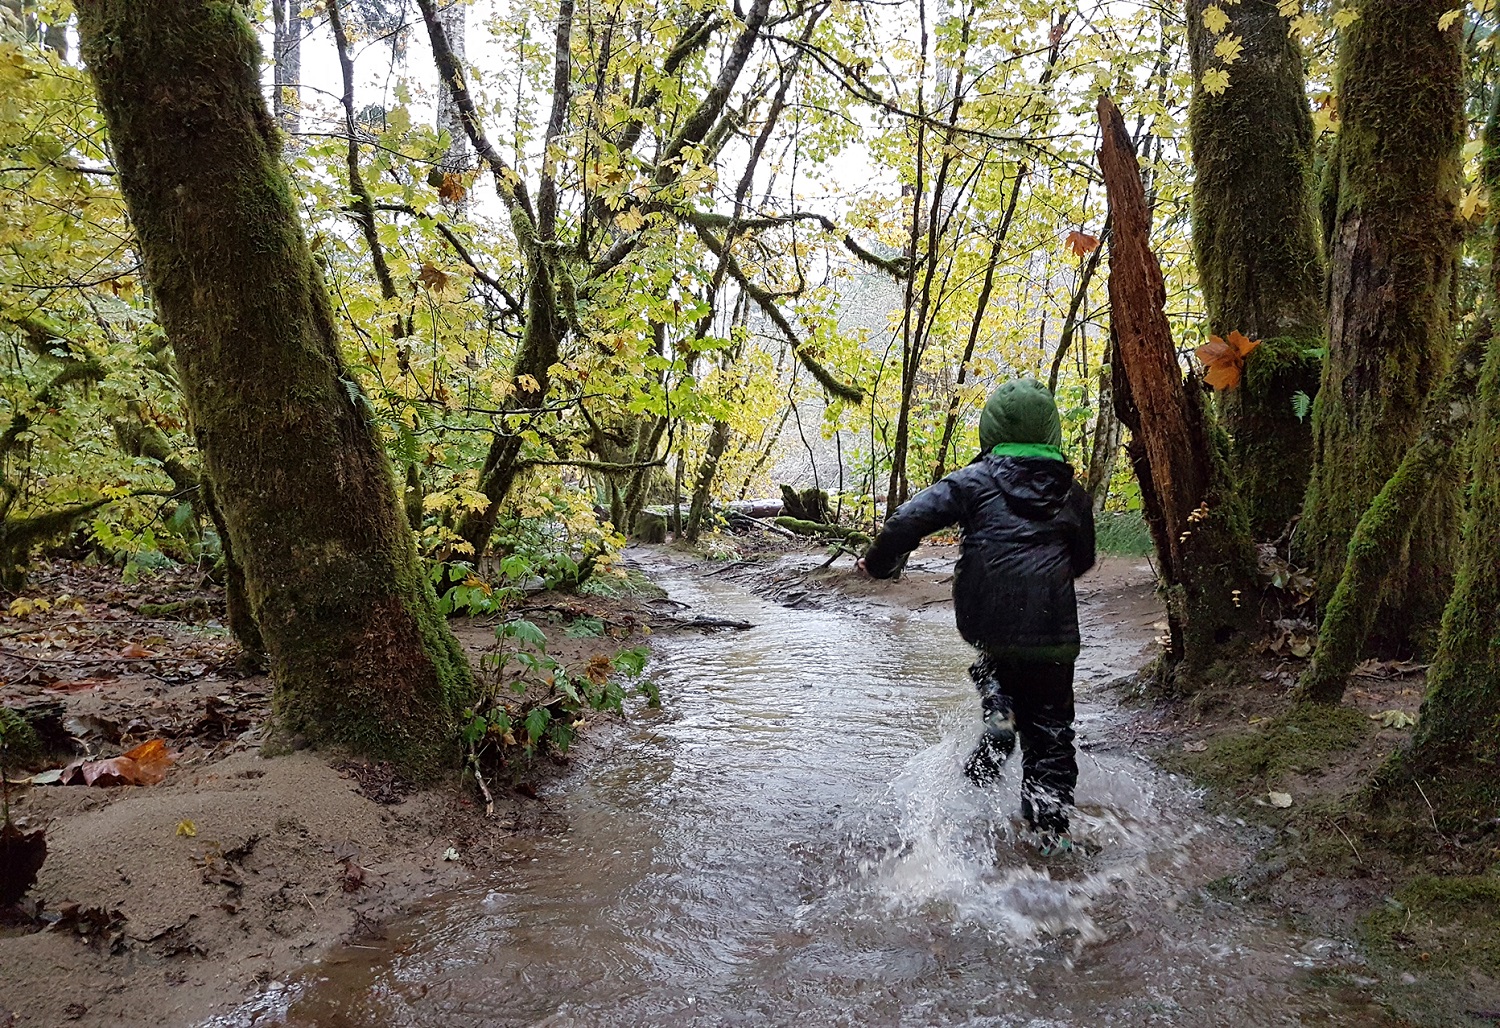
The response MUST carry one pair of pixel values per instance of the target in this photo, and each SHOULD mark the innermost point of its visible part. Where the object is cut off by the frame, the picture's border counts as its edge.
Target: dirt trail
(160, 904)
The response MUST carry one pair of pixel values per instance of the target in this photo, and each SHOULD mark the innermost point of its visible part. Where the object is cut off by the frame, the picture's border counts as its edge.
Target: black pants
(1038, 695)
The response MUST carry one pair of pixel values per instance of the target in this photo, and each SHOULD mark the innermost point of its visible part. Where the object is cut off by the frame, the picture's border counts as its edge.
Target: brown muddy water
(790, 842)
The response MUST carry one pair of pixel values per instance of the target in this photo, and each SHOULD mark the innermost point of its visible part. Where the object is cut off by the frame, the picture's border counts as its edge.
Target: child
(1028, 531)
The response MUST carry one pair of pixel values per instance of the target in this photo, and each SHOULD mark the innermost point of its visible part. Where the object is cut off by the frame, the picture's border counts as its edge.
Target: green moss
(1381, 536)
(309, 502)
(1258, 247)
(21, 745)
(1393, 250)
(1440, 926)
(1266, 756)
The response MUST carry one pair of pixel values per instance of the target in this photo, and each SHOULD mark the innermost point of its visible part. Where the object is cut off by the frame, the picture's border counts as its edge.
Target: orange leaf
(135, 651)
(147, 764)
(1081, 243)
(1224, 362)
(452, 189)
(433, 278)
(1241, 344)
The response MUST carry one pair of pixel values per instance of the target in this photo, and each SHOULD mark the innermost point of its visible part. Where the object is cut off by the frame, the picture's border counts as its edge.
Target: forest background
(492, 281)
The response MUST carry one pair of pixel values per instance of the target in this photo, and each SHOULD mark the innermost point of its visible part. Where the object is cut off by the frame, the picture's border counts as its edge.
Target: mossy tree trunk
(1393, 244)
(1255, 235)
(1202, 537)
(718, 442)
(1458, 736)
(308, 499)
(1457, 741)
(1381, 536)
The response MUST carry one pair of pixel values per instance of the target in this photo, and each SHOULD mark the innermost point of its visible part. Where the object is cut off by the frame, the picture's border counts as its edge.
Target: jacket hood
(1036, 488)
(1020, 411)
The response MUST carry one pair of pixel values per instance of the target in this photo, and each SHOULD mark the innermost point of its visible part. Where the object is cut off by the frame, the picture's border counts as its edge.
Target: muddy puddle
(790, 842)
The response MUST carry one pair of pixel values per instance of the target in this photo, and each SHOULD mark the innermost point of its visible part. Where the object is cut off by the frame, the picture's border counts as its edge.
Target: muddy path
(791, 842)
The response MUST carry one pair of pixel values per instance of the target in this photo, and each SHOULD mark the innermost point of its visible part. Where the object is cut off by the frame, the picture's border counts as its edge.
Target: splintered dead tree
(1390, 197)
(357, 651)
(1255, 236)
(1202, 538)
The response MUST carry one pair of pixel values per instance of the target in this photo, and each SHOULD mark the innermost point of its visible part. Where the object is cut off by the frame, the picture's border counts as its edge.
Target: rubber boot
(995, 745)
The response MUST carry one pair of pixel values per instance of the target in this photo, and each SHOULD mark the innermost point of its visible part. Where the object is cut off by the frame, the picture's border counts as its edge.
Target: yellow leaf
(631, 220)
(1215, 81)
(1474, 205)
(1345, 17)
(1448, 18)
(1289, 8)
(1473, 148)
(1229, 48)
(1305, 25)
(186, 828)
(527, 384)
(434, 501)
(1214, 19)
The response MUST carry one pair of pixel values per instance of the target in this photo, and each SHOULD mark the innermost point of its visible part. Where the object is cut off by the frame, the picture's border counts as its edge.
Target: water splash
(793, 843)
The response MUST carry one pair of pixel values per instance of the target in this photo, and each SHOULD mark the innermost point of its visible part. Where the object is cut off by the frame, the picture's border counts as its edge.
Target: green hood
(1021, 411)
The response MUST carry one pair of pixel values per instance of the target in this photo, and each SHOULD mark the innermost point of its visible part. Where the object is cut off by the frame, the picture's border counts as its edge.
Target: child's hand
(859, 566)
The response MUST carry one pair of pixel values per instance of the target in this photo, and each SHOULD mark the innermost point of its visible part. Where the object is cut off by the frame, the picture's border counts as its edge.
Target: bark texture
(1202, 537)
(1459, 729)
(286, 98)
(1381, 536)
(1393, 248)
(1255, 235)
(308, 499)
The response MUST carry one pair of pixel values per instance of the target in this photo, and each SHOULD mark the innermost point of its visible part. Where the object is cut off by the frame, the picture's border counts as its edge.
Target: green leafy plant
(532, 704)
(1301, 404)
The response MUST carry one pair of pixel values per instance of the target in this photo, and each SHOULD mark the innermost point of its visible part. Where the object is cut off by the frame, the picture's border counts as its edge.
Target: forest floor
(236, 870)
(159, 903)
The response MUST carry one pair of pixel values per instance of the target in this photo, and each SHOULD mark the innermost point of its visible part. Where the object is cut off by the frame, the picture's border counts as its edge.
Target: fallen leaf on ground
(450, 854)
(79, 685)
(1398, 719)
(1195, 747)
(1279, 799)
(135, 651)
(186, 828)
(145, 765)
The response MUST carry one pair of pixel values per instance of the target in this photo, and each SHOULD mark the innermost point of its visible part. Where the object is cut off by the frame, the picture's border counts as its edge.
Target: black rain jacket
(1028, 531)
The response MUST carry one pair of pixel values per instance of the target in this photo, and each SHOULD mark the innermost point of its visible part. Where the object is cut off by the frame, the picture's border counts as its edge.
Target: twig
(1430, 812)
(1348, 840)
(489, 801)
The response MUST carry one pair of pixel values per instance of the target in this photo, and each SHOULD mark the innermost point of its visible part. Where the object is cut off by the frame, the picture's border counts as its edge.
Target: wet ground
(790, 842)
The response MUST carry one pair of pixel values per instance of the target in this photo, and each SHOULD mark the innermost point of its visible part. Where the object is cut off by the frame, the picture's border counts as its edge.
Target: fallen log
(818, 528)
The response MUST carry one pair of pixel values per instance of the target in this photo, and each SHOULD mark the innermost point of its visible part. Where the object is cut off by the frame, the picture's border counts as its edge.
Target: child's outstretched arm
(933, 508)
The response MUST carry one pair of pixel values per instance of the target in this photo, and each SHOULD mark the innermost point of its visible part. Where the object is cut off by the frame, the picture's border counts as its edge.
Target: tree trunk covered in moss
(1458, 735)
(1255, 234)
(1393, 244)
(1459, 729)
(309, 502)
(718, 442)
(1381, 536)
(1202, 536)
